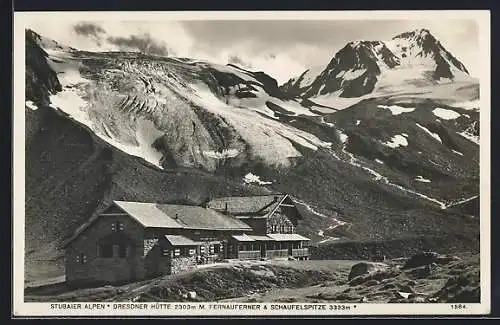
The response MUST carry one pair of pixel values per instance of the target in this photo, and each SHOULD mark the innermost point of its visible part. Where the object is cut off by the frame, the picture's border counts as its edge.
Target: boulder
(419, 272)
(421, 259)
(365, 268)
(461, 289)
(428, 258)
(417, 298)
(405, 288)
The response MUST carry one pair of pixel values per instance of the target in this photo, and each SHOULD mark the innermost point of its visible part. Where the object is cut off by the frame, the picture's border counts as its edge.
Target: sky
(282, 48)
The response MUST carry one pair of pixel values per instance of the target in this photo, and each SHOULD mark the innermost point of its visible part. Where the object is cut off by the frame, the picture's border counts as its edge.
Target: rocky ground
(425, 277)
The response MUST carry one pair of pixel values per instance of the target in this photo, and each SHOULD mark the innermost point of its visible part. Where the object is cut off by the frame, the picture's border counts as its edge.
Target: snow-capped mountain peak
(420, 47)
(409, 62)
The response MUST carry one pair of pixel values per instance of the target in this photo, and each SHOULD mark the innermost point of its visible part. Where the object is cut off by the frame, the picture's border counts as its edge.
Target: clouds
(88, 29)
(282, 48)
(143, 43)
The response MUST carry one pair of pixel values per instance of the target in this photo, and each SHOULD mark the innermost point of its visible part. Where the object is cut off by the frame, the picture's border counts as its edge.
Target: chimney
(176, 216)
(226, 208)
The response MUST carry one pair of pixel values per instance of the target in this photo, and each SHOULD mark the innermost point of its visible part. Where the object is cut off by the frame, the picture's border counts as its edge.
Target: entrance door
(263, 250)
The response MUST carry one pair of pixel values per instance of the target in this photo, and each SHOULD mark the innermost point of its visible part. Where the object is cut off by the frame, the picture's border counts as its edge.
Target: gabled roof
(153, 215)
(196, 217)
(148, 214)
(288, 237)
(244, 205)
(177, 240)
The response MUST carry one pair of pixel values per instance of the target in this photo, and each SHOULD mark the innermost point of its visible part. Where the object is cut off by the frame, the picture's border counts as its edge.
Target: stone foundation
(148, 245)
(182, 264)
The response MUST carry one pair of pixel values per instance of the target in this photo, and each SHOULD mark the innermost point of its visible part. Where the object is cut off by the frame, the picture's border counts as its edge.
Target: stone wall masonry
(149, 244)
(183, 264)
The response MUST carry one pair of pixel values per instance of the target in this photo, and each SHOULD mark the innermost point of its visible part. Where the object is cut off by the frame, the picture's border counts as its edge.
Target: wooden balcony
(300, 252)
(249, 255)
(274, 253)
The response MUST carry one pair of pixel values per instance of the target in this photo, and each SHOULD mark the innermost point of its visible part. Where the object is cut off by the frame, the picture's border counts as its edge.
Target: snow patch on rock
(470, 137)
(397, 110)
(445, 114)
(469, 105)
(254, 179)
(397, 141)
(145, 135)
(226, 153)
(31, 105)
(432, 134)
(421, 179)
(342, 136)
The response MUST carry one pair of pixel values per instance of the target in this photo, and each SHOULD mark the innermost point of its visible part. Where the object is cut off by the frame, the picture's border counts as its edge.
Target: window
(211, 249)
(217, 248)
(81, 259)
(165, 252)
(117, 226)
(192, 251)
(177, 252)
(202, 249)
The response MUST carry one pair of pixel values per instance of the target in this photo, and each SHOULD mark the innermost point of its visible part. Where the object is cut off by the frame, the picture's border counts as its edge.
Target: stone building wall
(97, 269)
(182, 264)
(149, 244)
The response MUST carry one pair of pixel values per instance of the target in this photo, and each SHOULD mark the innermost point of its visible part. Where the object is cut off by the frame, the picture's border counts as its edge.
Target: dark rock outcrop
(364, 268)
(428, 258)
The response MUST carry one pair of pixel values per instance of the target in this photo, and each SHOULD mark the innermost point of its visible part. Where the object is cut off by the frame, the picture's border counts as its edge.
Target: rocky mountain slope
(423, 278)
(129, 126)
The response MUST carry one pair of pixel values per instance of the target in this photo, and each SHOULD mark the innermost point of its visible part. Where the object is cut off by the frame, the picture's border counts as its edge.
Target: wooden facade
(133, 241)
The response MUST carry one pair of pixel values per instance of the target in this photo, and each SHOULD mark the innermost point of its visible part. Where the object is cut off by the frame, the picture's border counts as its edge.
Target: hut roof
(244, 205)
